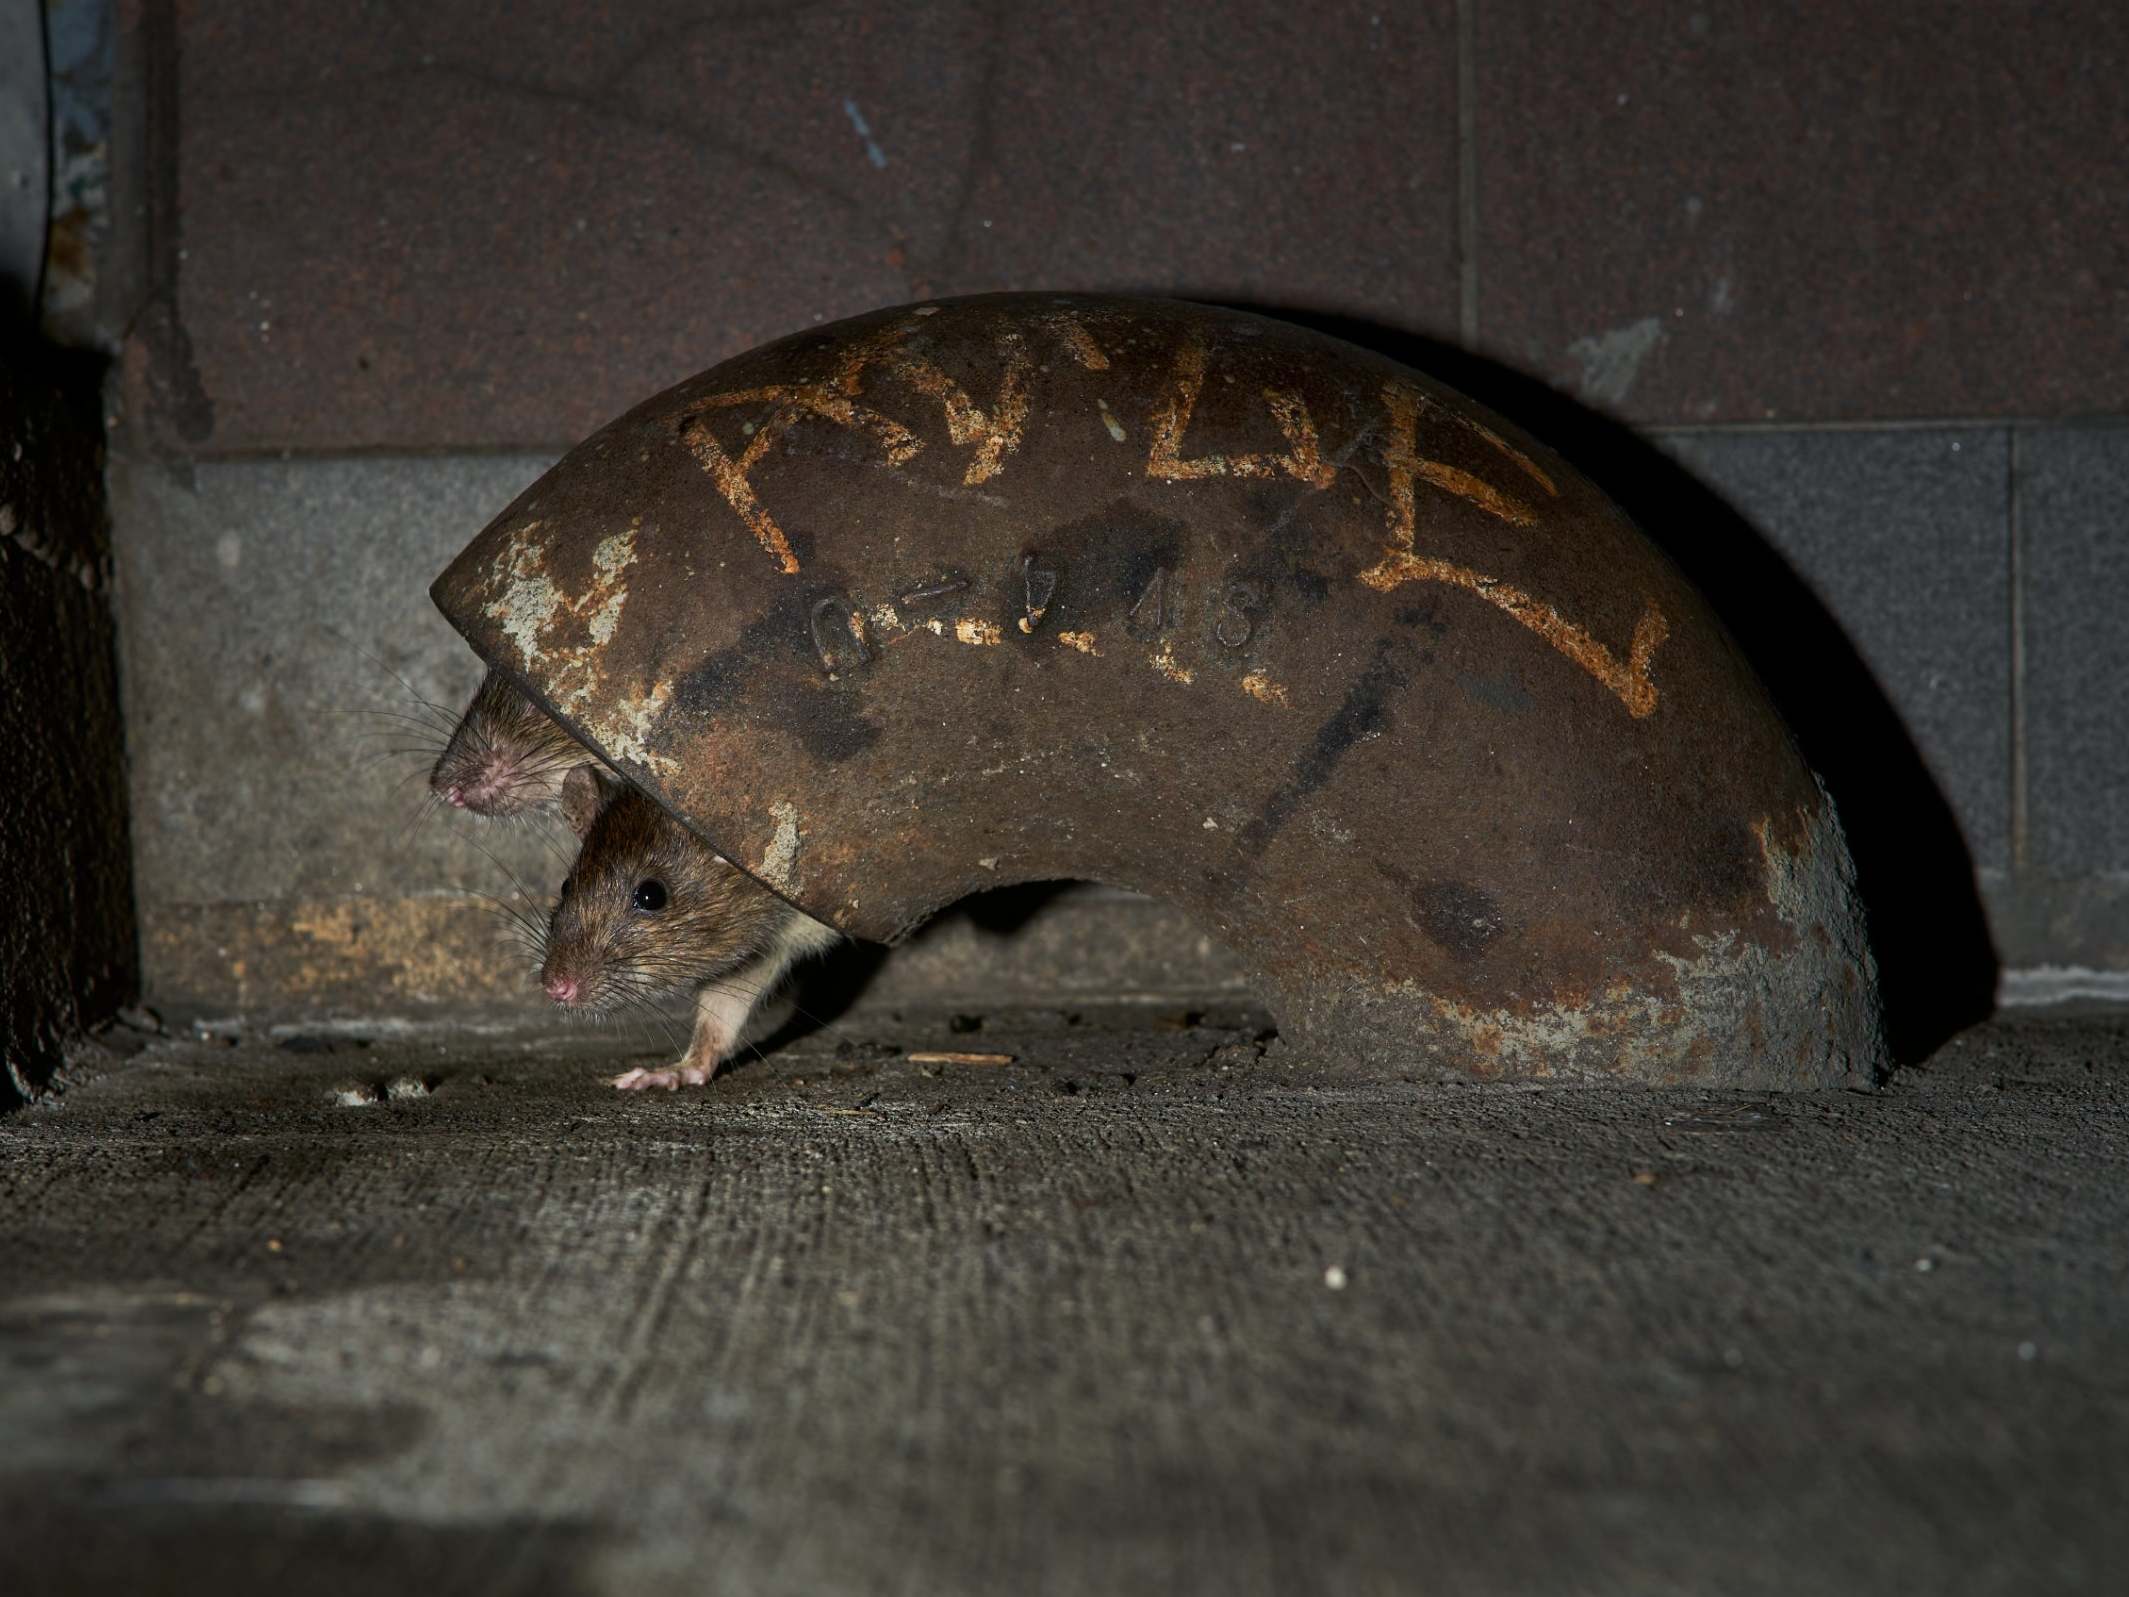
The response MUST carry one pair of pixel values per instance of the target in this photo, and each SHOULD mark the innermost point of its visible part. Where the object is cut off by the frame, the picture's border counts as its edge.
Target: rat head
(648, 907)
(505, 756)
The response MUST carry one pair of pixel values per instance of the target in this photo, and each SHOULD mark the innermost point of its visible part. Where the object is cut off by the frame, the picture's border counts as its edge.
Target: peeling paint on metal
(779, 862)
(970, 630)
(625, 733)
(528, 598)
(613, 556)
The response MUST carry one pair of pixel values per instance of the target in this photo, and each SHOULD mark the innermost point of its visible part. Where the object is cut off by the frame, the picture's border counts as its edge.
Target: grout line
(2020, 807)
(1467, 171)
(284, 454)
(1886, 424)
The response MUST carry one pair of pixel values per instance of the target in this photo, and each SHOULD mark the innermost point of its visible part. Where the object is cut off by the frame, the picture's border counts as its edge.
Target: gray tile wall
(1905, 537)
(2073, 557)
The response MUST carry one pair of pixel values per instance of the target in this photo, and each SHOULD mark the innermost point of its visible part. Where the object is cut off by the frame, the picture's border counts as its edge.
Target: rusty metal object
(1384, 694)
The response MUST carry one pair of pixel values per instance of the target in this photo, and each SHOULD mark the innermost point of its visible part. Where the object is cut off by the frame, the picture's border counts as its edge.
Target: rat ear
(586, 790)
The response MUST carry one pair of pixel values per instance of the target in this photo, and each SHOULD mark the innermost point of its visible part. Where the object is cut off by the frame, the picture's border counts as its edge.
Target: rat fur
(650, 909)
(505, 756)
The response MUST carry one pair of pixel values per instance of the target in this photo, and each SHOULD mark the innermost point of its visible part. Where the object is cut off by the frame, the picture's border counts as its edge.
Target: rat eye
(650, 896)
(565, 889)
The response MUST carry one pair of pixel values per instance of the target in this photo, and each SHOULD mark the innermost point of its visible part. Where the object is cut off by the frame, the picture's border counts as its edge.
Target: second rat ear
(585, 792)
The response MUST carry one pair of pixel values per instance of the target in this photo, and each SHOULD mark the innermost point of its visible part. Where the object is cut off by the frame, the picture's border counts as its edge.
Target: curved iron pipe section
(1382, 692)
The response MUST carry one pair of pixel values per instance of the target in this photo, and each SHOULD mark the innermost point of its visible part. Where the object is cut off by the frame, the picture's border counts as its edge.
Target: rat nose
(562, 989)
(455, 796)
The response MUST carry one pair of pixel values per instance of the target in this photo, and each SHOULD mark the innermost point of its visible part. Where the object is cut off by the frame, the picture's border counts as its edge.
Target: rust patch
(1473, 425)
(1171, 419)
(1264, 690)
(1629, 680)
(1082, 641)
(1076, 338)
(995, 432)
(1164, 661)
(1401, 457)
(832, 399)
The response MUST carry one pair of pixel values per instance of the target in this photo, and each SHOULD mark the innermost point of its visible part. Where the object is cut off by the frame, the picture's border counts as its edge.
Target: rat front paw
(670, 1078)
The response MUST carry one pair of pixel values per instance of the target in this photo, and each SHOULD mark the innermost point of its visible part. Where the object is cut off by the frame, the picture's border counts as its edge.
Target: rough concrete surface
(1143, 1309)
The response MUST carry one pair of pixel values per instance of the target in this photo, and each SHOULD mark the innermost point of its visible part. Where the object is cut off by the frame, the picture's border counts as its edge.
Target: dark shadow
(66, 849)
(1936, 960)
(826, 988)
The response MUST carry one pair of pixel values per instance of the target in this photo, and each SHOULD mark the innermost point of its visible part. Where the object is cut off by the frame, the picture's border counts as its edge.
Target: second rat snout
(505, 756)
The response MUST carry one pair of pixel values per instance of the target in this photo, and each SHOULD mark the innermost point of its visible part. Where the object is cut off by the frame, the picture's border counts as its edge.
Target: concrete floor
(1138, 1311)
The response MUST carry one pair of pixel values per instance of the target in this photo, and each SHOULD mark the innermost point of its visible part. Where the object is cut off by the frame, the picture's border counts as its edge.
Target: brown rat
(505, 756)
(650, 909)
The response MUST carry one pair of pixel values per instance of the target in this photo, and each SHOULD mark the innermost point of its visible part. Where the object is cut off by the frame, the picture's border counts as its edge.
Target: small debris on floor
(960, 1059)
